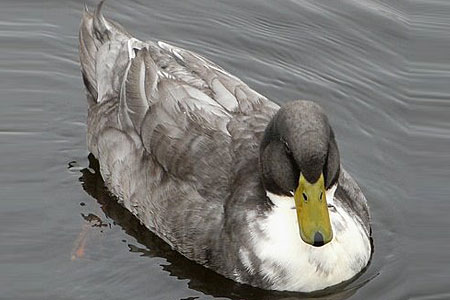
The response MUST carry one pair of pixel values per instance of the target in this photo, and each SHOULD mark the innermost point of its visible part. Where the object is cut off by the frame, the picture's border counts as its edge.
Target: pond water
(381, 69)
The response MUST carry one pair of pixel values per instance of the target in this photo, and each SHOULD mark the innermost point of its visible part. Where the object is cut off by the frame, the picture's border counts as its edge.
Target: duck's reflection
(200, 278)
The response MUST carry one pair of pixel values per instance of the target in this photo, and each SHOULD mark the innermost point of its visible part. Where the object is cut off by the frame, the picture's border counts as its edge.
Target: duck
(231, 180)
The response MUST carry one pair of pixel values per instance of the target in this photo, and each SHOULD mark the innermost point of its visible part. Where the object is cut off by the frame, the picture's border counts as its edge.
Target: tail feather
(100, 26)
(96, 31)
(87, 52)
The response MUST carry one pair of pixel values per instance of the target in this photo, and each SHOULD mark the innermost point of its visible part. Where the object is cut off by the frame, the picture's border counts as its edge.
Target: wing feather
(140, 84)
(187, 144)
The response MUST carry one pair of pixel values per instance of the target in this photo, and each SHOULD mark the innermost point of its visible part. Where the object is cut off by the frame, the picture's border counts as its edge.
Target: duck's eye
(305, 197)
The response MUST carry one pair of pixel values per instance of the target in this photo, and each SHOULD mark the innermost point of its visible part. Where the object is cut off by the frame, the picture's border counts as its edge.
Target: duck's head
(299, 157)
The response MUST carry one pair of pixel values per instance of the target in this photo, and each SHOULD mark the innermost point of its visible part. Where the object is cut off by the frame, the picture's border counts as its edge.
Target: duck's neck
(291, 264)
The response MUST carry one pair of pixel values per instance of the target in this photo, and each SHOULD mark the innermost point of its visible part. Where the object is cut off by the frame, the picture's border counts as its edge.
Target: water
(380, 68)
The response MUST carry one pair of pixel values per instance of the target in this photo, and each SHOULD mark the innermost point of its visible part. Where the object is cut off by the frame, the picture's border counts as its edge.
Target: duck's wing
(183, 108)
(199, 117)
(106, 48)
(187, 135)
(225, 89)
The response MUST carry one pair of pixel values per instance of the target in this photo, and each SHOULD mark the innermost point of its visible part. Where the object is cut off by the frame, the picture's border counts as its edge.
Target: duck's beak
(312, 212)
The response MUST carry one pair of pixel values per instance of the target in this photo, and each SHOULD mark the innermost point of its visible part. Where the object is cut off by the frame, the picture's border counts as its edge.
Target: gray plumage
(178, 140)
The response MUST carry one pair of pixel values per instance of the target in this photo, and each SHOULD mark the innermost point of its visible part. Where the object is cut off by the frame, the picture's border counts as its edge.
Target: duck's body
(179, 139)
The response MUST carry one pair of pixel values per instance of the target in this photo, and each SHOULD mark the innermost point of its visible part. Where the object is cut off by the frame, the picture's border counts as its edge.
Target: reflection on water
(150, 245)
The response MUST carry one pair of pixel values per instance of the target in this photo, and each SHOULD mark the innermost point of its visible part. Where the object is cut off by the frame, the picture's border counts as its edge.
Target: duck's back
(172, 131)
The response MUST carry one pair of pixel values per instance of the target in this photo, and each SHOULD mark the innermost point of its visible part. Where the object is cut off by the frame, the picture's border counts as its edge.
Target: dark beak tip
(318, 240)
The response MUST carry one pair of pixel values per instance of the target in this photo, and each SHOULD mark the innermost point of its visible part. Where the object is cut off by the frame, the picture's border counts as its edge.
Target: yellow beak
(312, 212)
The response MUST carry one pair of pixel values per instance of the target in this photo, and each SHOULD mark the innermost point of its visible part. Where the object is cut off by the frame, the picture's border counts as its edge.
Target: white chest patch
(291, 264)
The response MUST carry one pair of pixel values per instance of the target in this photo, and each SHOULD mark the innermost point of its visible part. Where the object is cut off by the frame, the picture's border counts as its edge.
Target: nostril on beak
(318, 239)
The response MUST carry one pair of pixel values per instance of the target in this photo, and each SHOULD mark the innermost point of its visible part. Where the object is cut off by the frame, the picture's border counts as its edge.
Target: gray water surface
(381, 69)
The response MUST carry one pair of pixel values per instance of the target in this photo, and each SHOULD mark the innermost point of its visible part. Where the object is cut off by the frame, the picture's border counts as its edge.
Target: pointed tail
(95, 31)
